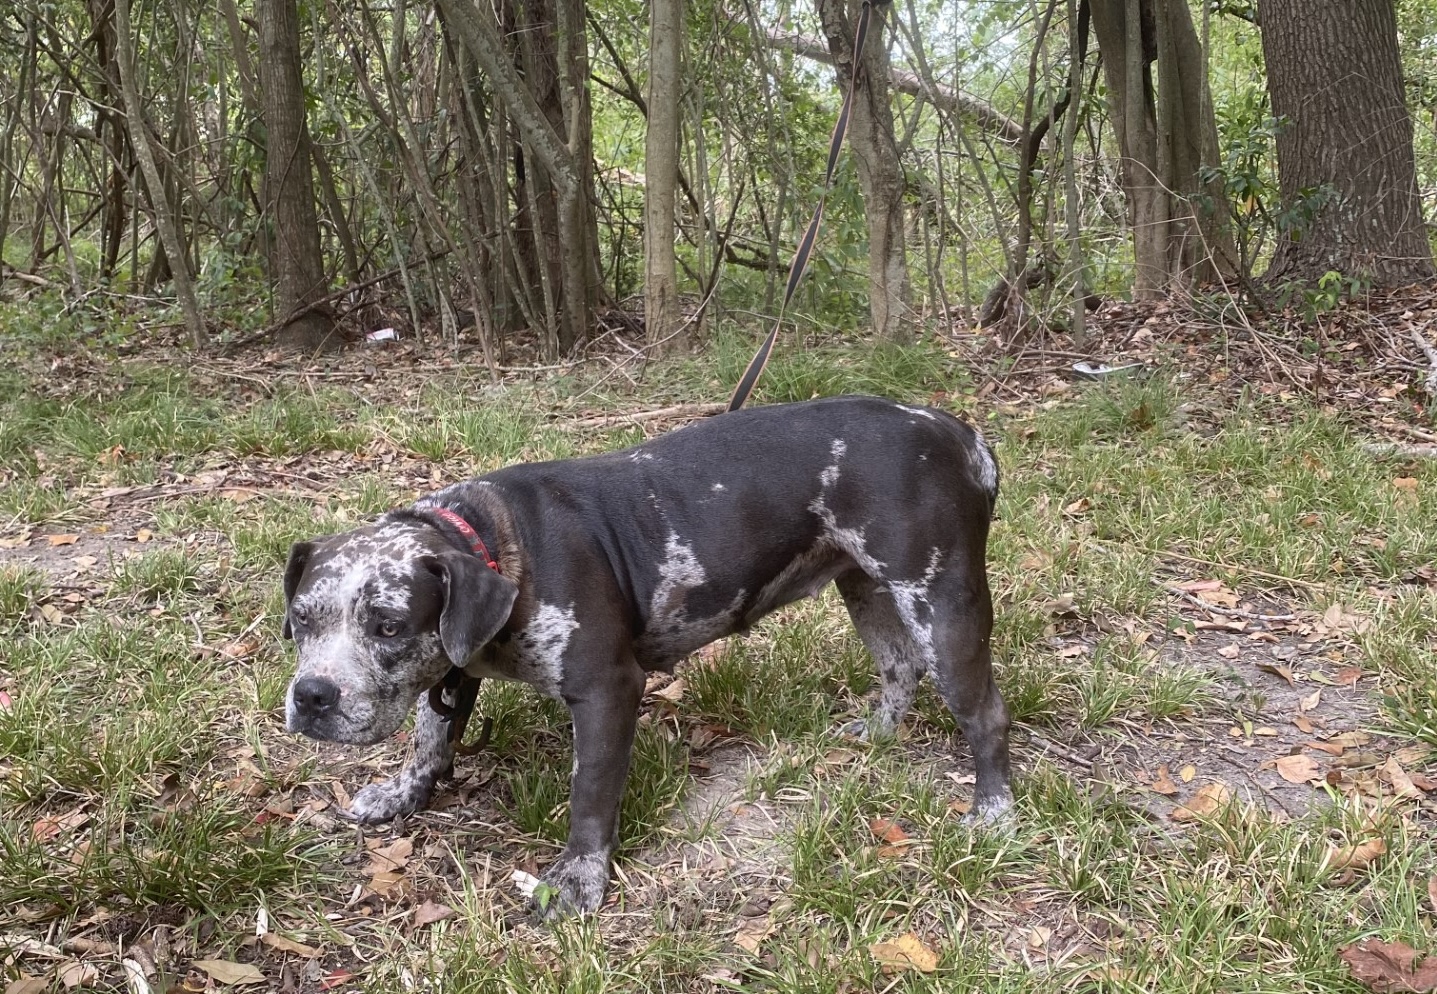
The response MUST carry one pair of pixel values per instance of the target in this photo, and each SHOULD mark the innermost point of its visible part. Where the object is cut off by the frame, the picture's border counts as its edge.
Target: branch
(946, 98)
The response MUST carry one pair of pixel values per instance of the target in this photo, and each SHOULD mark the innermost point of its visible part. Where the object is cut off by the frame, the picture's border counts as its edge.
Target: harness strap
(796, 269)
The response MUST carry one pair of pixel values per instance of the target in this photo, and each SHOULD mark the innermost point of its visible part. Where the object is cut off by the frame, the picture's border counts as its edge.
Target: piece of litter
(1101, 370)
(382, 335)
(526, 882)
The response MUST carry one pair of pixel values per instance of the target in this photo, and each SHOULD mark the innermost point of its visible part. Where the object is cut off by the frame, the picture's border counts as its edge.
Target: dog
(580, 577)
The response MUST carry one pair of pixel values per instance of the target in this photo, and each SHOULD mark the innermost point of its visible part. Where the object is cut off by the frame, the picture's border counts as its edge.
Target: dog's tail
(985, 469)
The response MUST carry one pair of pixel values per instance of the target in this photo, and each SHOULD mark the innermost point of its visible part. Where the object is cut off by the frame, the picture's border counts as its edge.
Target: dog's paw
(388, 800)
(867, 730)
(996, 812)
(573, 885)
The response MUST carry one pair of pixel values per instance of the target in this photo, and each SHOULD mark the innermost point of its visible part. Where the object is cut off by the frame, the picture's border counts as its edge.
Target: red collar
(470, 535)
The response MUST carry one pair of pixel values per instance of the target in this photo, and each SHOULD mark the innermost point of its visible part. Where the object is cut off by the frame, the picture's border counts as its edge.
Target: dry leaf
(1311, 700)
(55, 540)
(1230, 652)
(49, 827)
(672, 693)
(751, 934)
(335, 978)
(1297, 769)
(77, 974)
(394, 856)
(229, 973)
(430, 912)
(1304, 725)
(1187, 773)
(276, 941)
(907, 952)
(1388, 966)
(889, 831)
(25, 984)
(1394, 774)
(391, 884)
(1277, 669)
(1210, 798)
(1164, 784)
(1358, 857)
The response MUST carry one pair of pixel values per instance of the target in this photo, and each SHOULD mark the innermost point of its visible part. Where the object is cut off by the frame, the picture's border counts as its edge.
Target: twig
(1059, 751)
(1227, 612)
(1398, 449)
(677, 410)
(1197, 560)
(1431, 385)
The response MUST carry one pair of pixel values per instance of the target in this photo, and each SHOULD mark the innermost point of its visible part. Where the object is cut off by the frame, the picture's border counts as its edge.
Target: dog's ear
(299, 554)
(477, 602)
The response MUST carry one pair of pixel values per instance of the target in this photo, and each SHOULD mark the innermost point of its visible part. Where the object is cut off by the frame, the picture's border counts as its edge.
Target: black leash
(799, 265)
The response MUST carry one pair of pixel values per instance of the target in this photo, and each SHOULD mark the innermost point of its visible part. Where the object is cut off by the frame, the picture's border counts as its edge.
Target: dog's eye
(388, 629)
(299, 616)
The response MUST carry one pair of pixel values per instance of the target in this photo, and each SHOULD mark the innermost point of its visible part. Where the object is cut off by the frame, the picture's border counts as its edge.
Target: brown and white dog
(609, 567)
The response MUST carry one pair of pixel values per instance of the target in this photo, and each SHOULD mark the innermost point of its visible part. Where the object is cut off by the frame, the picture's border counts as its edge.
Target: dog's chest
(533, 655)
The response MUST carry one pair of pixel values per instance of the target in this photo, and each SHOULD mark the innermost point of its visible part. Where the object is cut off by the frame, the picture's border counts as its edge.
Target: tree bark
(165, 222)
(661, 172)
(1166, 132)
(875, 152)
(298, 263)
(1334, 74)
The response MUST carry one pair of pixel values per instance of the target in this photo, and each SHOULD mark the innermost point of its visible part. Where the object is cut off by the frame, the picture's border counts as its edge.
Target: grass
(145, 778)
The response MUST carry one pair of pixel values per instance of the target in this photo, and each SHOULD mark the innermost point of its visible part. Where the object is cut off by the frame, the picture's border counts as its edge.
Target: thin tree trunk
(661, 169)
(165, 222)
(289, 186)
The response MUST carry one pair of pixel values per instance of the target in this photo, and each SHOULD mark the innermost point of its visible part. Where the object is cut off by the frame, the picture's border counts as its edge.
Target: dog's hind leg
(962, 668)
(900, 658)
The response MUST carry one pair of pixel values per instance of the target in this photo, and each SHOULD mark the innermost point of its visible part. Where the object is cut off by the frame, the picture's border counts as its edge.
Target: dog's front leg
(605, 717)
(414, 786)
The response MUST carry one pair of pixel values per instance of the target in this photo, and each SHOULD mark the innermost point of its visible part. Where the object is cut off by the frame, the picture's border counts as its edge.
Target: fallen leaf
(1039, 937)
(1304, 725)
(1402, 784)
(144, 535)
(77, 974)
(394, 856)
(335, 978)
(751, 933)
(276, 941)
(906, 952)
(389, 884)
(1277, 669)
(430, 912)
(1300, 768)
(889, 831)
(1209, 799)
(1229, 652)
(1164, 784)
(1358, 857)
(25, 984)
(229, 973)
(673, 692)
(1347, 676)
(1311, 700)
(55, 540)
(1331, 748)
(1187, 773)
(49, 827)
(1405, 483)
(1388, 966)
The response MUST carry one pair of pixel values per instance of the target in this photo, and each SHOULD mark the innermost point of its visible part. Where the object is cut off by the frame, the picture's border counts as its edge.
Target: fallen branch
(1431, 385)
(1400, 450)
(1226, 612)
(678, 410)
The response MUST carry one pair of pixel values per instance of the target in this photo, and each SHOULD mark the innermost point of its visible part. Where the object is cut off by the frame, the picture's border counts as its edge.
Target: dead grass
(1212, 606)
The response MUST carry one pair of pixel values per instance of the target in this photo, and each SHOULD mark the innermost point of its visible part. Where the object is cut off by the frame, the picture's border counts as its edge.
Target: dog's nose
(314, 695)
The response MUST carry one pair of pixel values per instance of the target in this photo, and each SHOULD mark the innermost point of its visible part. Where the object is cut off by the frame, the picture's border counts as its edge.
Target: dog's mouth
(342, 726)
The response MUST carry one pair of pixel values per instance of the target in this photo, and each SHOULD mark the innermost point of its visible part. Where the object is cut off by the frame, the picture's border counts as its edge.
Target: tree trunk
(165, 222)
(661, 171)
(298, 263)
(875, 152)
(1166, 132)
(1334, 74)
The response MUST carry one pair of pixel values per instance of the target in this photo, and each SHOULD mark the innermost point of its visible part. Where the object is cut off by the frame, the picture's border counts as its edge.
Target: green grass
(142, 741)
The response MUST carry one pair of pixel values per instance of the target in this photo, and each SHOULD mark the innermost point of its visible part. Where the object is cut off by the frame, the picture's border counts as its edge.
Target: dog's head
(379, 614)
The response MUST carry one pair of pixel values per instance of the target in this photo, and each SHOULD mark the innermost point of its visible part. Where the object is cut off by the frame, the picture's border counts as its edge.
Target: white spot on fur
(984, 464)
(679, 572)
(921, 412)
(718, 487)
(537, 656)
